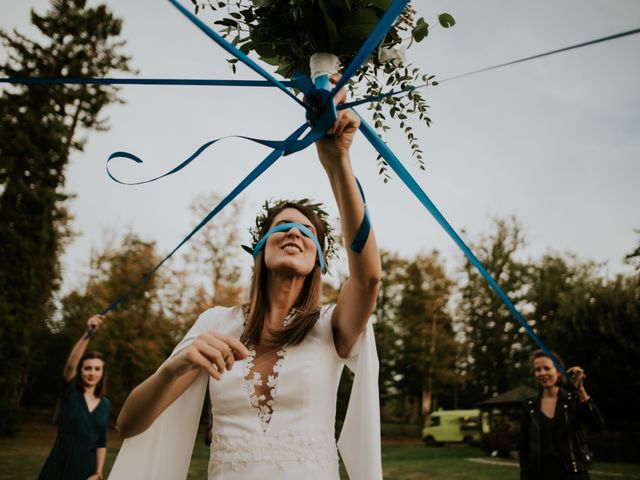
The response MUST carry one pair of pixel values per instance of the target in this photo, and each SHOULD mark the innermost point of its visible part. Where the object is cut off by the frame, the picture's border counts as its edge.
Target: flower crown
(270, 206)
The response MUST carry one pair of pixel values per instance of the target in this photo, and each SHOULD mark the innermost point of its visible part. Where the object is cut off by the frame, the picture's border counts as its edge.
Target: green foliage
(421, 30)
(587, 318)
(497, 346)
(286, 33)
(428, 348)
(39, 127)
(389, 298)
(633, 258)
(592, 322)
(214, 251)
(446, 20)
(414, 333)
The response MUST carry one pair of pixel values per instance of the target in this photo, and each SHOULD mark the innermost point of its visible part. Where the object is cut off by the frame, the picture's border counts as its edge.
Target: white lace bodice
(281, 426)
(261, 393)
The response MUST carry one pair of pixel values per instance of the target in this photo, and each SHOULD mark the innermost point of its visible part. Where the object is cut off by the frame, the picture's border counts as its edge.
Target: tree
(214, 251)
(633, 258)
(559, 284)
(427, 349)
(414, 335)
(39, 127)
(497, 346)
(137, 336)
(386, 331)
(593, 322)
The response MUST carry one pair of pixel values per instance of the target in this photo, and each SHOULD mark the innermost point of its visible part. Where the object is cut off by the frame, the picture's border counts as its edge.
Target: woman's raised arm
(79, 348)
(358, 295)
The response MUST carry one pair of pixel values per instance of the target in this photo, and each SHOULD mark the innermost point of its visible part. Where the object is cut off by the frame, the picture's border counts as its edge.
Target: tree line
(443, 342)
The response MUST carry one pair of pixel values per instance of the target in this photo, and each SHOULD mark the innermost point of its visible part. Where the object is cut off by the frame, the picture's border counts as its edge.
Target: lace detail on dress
(262, 396)
(287, 446)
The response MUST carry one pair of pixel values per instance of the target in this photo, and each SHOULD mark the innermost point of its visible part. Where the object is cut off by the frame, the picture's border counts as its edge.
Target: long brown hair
(307, 307)
(101, 386)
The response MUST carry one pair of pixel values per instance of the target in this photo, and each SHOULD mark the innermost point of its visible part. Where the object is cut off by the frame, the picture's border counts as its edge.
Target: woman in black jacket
(552, 445)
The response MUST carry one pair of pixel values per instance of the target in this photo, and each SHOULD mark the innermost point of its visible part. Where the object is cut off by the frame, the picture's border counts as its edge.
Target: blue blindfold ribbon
(286, 227)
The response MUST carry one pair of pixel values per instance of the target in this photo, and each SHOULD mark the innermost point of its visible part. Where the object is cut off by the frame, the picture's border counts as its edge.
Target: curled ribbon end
(128, 155)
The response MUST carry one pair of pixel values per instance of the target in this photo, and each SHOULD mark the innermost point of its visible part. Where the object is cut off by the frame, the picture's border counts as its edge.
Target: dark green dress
(80, 433)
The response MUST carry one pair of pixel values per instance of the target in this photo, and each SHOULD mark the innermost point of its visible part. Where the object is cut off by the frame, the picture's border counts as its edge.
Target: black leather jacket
(571, 416)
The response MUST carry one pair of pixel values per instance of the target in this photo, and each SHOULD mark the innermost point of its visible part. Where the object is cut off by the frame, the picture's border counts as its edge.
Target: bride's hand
(335, 145)
(210, 351)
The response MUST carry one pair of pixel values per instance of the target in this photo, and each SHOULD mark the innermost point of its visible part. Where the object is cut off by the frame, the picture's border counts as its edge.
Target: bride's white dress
(273, 413)
(288, 430)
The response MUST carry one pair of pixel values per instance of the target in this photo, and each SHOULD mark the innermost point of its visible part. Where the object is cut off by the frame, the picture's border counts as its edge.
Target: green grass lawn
(22, 456)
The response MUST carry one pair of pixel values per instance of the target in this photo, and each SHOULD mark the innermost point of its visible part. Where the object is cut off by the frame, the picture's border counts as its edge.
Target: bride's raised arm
(358, 295)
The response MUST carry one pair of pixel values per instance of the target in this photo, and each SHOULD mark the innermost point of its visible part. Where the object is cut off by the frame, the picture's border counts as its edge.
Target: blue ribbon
(321, 114)
(288, 146)
(422, 197)
(288, 226)
(194, 82)
(376, 36)
(198, 82)
(365, 226)
(320, 117)
(233, 50)
(254, 174)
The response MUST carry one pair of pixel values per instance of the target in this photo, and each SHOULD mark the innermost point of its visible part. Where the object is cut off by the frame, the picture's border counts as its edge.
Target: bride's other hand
(210, 351)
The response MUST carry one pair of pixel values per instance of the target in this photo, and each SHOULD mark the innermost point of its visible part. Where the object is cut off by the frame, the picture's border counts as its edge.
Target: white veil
(163, 451)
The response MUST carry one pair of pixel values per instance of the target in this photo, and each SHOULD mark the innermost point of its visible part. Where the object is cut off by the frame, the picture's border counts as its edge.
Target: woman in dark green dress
(80, 448)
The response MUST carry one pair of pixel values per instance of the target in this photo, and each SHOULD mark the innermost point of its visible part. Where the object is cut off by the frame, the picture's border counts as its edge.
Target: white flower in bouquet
(288, 33)
(395, 55)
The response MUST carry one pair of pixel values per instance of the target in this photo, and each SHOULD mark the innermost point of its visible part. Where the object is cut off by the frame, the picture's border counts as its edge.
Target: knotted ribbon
(320, 115)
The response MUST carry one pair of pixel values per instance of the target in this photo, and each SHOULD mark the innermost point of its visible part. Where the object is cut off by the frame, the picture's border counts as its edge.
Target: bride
(273, 365)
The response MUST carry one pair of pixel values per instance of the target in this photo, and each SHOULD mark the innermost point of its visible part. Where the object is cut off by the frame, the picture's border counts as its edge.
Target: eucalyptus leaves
(286, 33)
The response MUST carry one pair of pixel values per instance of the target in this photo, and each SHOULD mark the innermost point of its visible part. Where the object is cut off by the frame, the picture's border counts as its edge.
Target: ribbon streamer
(234, 51)
(422, 197)
(254, 174)
(321, 113)
(288, 147)
(196, 82)
(376, 36)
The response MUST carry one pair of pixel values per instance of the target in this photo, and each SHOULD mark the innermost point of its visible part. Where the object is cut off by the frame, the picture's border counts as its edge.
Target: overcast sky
(554, 141)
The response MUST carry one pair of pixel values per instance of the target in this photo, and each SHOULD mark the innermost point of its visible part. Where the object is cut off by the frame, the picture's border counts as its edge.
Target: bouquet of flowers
(287, 33)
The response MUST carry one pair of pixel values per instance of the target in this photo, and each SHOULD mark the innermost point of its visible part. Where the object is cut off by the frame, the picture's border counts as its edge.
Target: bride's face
(290, 252)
